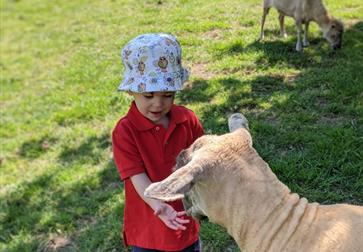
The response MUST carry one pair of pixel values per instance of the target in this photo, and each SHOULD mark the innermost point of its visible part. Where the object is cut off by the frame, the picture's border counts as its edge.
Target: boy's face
(154, 105)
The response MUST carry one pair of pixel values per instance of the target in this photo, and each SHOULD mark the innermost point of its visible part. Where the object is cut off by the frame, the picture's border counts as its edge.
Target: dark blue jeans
(195, 247)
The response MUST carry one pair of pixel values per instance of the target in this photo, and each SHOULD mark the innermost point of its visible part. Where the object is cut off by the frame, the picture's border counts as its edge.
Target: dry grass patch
(331, 120)
(58, 243)
(213, 34)
(201, 71)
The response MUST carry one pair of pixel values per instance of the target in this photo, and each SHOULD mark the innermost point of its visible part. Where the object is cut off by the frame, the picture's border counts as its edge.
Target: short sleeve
(127, 158)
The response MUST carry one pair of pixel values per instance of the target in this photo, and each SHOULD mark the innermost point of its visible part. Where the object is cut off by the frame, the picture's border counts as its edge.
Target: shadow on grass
(199, 93)
(308, 126)
(36, 147)
(282, 52)
(32, 210)
(320, 159)
(240, 98)
(87, 152)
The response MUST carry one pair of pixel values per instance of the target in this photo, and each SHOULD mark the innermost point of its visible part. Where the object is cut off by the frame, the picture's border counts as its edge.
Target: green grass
(60, 68)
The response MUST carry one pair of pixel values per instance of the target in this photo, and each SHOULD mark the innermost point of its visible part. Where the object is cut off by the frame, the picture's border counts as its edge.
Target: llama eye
(333, 26)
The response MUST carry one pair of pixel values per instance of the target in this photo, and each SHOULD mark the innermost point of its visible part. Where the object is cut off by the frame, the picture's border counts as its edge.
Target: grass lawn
(60, 67)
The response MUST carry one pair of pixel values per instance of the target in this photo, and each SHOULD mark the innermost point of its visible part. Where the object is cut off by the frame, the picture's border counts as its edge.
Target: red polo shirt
(141, 146)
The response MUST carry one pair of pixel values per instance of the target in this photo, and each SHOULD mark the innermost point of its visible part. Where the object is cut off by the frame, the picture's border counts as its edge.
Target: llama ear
(238, 125)
(237, 121)
(176, 185)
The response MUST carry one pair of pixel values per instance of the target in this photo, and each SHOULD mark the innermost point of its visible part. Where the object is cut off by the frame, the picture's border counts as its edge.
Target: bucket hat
(152, 63)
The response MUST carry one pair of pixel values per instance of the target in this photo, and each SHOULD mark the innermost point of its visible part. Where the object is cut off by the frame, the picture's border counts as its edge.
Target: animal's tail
(237, 121)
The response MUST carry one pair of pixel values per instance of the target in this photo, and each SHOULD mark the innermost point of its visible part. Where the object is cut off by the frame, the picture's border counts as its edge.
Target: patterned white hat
(153, 64)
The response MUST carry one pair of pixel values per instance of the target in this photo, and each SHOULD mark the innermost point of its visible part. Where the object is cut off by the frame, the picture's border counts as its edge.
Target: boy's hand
(166, 213)
(170, 217)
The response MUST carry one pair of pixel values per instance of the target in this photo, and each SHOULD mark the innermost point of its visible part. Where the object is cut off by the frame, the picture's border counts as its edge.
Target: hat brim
(154, 84)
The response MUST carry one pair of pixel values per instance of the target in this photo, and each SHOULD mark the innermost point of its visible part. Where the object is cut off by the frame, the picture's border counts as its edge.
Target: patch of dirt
(321, 102)
(212, 34)
(290, 78)
(272, 119)
(58, 243)
(246, 70)
(331, 120)
(199, 70)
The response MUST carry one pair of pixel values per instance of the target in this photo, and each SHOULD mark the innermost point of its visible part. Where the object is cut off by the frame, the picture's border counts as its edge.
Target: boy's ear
(176, 185)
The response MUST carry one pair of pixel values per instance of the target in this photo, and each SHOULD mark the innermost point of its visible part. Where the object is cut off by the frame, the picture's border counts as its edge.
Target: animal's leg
(298, 43)
(282, 25)
(265, 12)
(305, 40)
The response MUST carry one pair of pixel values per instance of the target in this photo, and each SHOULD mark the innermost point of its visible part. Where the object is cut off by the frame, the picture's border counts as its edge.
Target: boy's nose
(158, 103)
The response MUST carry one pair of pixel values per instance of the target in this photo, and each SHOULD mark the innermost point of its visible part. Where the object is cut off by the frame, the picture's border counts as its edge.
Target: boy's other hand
(170, 217)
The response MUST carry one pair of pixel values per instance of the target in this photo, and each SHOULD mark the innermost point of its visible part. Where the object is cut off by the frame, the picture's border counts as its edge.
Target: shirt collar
(141, 123)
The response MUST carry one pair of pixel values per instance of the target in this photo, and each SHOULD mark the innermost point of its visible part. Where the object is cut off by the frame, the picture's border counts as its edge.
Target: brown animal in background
(305, 11)
(223, 178)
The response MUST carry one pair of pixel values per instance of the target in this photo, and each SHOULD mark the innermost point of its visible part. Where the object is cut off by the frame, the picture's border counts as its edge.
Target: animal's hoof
(336, 47)
(237, 121)
(299, 48)
(306, 43)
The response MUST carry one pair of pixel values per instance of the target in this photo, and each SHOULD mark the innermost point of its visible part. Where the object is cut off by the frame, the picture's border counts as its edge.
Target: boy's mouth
(156, 113)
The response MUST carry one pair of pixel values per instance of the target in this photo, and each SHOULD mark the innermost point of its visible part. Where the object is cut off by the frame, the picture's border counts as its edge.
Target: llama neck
(250, 196)
(267, 202)
(259, 209)
(268, 225)
(321, 16)
(280, 224)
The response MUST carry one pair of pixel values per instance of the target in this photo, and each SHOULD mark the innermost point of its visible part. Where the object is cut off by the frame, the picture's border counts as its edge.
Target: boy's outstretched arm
(166, 213)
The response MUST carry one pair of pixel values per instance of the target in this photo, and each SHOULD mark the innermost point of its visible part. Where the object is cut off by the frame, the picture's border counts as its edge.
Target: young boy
(147, 141)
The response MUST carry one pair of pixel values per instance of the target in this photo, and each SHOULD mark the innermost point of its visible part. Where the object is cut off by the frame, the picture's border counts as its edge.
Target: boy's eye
(169, 95)
(150, 95)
